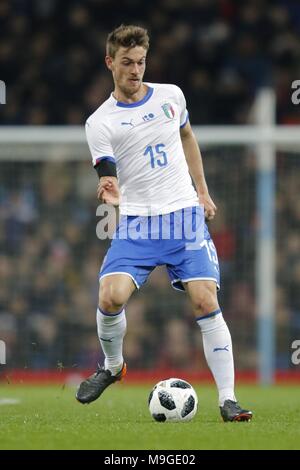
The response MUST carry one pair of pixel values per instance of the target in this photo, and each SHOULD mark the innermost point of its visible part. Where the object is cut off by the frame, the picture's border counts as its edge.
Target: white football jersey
(143, 139)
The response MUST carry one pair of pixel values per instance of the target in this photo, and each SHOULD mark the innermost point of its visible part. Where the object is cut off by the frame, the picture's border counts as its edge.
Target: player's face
(128, 68)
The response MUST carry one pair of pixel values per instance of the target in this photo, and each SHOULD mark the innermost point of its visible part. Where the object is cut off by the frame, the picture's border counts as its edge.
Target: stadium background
(51, 58)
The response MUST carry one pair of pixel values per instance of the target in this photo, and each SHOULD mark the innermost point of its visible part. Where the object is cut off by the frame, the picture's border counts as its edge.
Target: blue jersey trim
(137, 103)
(106, 157)
(212, 314)
(187, 118)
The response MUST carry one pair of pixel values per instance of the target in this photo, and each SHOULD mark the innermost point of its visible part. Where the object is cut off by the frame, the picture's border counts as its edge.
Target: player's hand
(108, 190)
(210, 208)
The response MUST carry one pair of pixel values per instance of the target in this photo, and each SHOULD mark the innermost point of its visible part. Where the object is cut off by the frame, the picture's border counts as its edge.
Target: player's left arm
(195, 165)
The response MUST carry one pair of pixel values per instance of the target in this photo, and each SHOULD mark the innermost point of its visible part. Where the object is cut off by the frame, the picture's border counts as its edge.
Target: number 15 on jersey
(158, 157)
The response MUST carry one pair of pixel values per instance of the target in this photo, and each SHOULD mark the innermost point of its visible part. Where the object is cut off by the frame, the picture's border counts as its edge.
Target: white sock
(218, 353)
(111, 331)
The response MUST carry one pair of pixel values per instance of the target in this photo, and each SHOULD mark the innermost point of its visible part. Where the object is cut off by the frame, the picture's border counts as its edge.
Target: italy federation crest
(168, 110)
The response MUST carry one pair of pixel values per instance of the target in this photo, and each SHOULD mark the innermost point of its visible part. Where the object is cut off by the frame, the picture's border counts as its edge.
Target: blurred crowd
(50, 257)
(288, 255)
(219, 51)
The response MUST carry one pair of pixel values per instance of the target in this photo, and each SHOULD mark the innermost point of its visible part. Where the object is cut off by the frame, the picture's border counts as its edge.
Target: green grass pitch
(50, 418)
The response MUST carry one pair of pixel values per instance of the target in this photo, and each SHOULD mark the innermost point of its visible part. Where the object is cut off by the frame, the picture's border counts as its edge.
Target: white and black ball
(173, 400)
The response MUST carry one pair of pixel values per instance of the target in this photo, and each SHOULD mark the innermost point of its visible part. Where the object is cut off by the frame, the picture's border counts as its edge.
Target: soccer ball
(173, 400)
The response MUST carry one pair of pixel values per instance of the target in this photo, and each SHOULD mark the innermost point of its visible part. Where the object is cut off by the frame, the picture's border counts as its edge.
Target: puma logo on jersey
(127, 123)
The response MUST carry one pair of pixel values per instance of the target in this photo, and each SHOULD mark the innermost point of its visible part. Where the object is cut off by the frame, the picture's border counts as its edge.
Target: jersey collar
(137, 103)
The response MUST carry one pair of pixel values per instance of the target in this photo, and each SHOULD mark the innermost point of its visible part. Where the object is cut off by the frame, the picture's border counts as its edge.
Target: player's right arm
(108, 190)
(103, 161)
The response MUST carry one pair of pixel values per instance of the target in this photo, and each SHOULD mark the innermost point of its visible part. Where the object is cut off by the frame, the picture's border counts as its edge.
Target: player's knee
(205, 301)
(112, 297)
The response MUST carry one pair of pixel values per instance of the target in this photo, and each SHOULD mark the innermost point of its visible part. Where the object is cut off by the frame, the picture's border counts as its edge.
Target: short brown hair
(126, 36)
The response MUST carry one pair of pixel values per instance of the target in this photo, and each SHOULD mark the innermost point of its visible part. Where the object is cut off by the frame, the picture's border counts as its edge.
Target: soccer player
(144, 151)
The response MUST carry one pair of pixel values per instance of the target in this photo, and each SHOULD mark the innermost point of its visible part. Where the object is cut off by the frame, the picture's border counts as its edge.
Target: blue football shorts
(179, 240)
